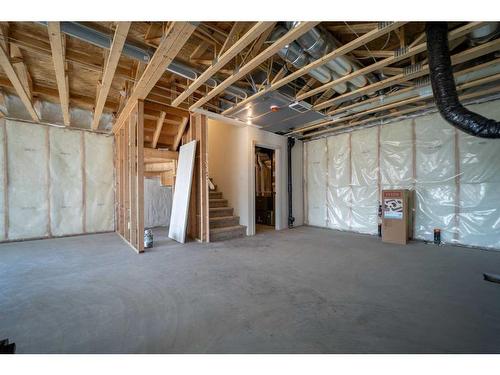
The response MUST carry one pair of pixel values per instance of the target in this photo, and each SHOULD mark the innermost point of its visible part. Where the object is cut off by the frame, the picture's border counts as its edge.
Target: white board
(182, 192)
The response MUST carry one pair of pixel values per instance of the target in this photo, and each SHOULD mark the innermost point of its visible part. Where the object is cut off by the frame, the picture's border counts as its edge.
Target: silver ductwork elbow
(295, 55)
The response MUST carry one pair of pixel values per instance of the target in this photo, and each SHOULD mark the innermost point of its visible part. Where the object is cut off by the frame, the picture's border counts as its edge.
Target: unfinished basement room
(285, 187)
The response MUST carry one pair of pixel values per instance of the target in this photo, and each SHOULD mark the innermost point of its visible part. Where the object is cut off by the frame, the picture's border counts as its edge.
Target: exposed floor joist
(256, 61)
(175, 38)
(17, 84)
(57, 46)
(377, 32)
(109, 70)
(226, 57)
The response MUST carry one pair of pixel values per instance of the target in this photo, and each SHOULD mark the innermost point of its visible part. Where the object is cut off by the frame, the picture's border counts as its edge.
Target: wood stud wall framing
(129, 162)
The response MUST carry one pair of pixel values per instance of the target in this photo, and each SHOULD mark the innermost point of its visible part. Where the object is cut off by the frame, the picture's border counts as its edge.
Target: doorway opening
(265, 189)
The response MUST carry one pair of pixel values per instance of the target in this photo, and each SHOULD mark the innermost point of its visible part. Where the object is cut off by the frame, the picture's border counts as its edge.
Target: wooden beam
(160, 167)
(341, 51)
(226, 57)
(412, 51)
(159, 127)
(154, 155)
(17, 84)
(365, 53)
(415, 99)
(21, 69)
(466, 55)
(180, 132)
(358, 28)
(463, 98)
(232, 37)
(109, 69)
(58, 57)
(290, 36)
(175, 38)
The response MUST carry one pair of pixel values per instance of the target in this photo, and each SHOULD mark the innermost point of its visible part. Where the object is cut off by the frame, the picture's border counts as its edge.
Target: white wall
(456, 178)
(231, 166)
(54, 182)
(157, 203)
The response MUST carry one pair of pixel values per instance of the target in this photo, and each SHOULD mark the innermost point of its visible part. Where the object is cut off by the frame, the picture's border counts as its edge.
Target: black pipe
(291, 219)
(444, 89)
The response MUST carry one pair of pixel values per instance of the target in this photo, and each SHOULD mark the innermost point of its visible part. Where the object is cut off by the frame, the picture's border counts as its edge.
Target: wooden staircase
(223, 224)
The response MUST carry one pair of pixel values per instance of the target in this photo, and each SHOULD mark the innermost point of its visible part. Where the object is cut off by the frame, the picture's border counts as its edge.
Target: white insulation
(99, 183)
(2, 180)
(157, 203)
(56, 181)
(66, 195)
(456, 178)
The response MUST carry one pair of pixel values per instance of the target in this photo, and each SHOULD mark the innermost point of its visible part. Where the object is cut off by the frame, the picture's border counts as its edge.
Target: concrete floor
(305, 290)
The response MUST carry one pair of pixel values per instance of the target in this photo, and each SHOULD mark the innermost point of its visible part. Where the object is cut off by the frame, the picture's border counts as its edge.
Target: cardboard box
(397, 216)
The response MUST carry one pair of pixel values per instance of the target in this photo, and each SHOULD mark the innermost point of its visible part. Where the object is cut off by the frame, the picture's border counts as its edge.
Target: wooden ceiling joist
(226, 57)
(11, 74)
(109, 69)
(398, 113)
(466, 55)
(341, 51)
(176, 36)
(456, 59)
(57, 46)
(256, 61)
(412, 51)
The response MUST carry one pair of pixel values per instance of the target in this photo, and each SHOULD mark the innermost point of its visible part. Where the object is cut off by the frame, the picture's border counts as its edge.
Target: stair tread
(217, 199)
(221, 218)
(227, 229)
(219, 208)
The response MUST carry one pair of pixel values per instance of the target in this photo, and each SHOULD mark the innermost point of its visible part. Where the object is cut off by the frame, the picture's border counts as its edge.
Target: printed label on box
(393, 208)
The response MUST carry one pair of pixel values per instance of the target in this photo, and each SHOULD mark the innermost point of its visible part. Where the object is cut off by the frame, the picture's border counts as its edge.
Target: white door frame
(277, 180)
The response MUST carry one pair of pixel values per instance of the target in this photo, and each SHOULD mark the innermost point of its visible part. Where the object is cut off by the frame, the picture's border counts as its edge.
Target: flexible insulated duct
(444, 89)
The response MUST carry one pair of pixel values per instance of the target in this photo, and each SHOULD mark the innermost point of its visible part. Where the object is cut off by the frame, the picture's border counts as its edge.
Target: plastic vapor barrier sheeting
(27, 155)
(479, 193)
(99, 183)
(455, 176)
(316, 182)
(364, 180)
(157, 203)
(339, 181)
(435, 178)
(396, 155)
(66, 182)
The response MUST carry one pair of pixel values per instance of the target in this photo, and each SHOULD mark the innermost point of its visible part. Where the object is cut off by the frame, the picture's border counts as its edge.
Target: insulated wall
(157, 203)
(54, 181)
(456, 178)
